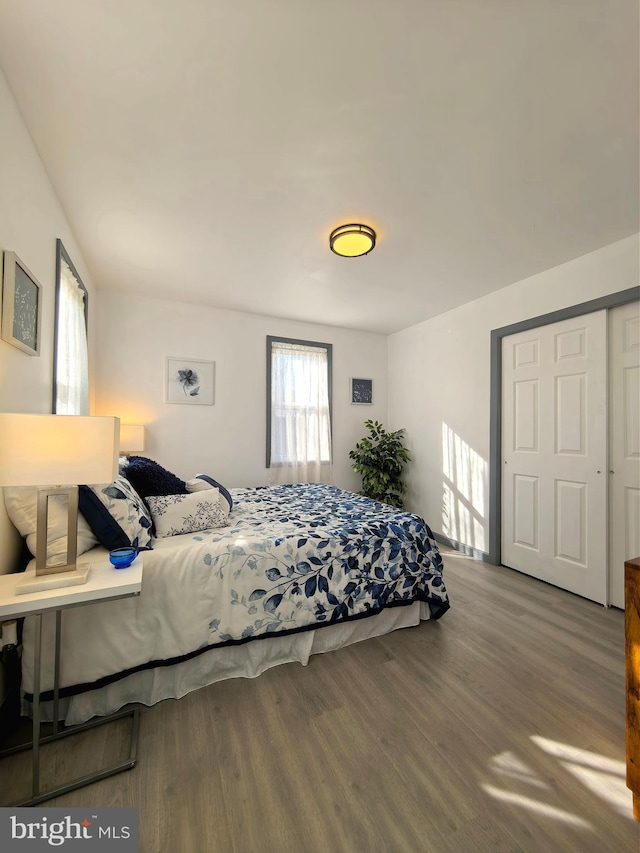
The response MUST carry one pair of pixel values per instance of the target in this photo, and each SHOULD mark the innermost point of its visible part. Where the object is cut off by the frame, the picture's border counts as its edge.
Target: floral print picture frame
(21, 306)
(190, 381)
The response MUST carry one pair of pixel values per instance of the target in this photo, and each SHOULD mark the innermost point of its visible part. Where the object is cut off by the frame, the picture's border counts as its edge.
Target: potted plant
(380, 459)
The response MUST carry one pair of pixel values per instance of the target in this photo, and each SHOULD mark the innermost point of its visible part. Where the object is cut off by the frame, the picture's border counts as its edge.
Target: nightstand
(104, 584)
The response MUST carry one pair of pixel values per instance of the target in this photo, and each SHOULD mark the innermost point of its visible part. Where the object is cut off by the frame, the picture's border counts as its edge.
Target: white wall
(30, 221)
(226, 440)
(438, 370)
(439, 375)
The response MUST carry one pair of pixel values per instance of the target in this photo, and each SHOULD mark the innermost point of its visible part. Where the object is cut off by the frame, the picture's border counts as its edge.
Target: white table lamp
(38, 450)
(131, 438)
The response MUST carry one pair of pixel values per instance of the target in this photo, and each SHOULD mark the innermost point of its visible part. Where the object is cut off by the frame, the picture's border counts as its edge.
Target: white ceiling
(204, 149)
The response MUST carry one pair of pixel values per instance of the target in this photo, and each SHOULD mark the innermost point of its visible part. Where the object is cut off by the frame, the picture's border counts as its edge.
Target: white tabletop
(104, 582)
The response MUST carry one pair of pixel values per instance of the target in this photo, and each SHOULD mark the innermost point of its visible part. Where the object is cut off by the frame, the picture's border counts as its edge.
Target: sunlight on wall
(463, 491)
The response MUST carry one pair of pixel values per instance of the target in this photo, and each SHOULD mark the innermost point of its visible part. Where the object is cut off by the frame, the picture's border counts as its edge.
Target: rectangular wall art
(21, 306)
(362, 391)
(189, 381)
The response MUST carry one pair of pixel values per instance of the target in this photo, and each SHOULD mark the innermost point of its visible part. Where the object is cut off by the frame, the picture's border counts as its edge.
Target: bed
(297, 570)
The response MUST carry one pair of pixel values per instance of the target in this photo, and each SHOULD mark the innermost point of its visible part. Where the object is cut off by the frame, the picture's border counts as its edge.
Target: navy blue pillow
(224, 492)
(107, 530)
(149, 478)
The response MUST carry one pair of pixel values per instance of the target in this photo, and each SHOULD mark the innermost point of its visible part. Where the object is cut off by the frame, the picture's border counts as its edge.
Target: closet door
(554, 454)
(624, 444)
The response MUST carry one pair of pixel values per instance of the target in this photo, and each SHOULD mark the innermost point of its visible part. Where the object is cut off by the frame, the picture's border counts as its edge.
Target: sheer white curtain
(300, 417)
(72, 359)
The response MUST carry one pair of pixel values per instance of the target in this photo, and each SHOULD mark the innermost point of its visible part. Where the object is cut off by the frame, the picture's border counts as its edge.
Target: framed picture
(189, 381)
(362, 392)
(21, 306)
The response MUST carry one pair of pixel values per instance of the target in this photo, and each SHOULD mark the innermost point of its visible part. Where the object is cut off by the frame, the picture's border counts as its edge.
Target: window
(71, 358)
(299, 406)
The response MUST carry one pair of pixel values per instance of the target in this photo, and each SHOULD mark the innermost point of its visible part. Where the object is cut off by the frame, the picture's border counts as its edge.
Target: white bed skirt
(245, 661)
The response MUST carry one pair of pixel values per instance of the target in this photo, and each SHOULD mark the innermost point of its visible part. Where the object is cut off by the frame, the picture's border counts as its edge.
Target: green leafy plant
(380, 459)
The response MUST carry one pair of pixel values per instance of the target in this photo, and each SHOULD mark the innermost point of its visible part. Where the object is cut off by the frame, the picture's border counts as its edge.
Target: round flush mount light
(352, 241)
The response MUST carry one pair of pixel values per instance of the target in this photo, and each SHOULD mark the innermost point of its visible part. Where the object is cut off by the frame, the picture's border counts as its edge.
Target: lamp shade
(37, 450)
(131, 438)
(352, 241)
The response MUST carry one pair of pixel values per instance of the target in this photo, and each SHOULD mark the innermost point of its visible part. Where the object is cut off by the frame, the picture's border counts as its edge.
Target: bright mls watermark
(83, 830)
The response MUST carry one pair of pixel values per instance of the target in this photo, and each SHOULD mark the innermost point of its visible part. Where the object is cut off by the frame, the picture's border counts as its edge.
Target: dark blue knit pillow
(149, 478)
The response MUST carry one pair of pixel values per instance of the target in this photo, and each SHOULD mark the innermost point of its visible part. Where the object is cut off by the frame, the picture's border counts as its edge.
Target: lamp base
(34, 583)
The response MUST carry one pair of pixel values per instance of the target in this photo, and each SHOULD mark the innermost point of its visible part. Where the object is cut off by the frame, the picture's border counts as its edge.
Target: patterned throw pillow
(203, 481)
(175, 514)
(117, 515)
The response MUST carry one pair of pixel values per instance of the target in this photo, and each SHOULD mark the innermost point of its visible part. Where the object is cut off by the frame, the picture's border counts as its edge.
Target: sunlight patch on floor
(579, 756)
(610, 788)
(604, 777)
(508, 764)
(538, 807)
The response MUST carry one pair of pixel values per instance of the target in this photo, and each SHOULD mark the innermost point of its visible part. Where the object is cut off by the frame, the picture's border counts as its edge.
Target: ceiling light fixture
(352, 241)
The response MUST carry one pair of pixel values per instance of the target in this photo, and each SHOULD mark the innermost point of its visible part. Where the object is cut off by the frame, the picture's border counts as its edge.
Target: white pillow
(202, 481)
(197, 485)
(175, 514)
(21, 503)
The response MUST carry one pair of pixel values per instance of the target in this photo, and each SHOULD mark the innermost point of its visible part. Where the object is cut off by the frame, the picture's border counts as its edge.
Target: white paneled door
(624, 443)
(554, 454)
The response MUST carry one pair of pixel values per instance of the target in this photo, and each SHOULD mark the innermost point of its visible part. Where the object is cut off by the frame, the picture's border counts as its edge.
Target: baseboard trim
(467, 550)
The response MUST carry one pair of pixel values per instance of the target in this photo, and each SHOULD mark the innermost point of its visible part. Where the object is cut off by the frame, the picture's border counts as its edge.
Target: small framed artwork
(189, 381)
(21, 306)
(362, 392)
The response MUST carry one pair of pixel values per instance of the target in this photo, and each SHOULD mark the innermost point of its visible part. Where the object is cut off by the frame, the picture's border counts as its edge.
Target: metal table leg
(38, 796)
(56, 673)
(35, 765)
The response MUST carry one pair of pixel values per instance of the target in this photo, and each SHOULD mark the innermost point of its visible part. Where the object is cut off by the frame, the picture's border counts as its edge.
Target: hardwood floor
(498, 728)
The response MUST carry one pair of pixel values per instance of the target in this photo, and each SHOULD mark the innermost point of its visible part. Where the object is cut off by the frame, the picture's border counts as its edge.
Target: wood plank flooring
(498, 728)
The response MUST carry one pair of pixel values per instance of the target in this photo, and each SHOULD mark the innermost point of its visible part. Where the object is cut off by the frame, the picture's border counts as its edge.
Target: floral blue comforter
(322, 555)
(292, 558)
